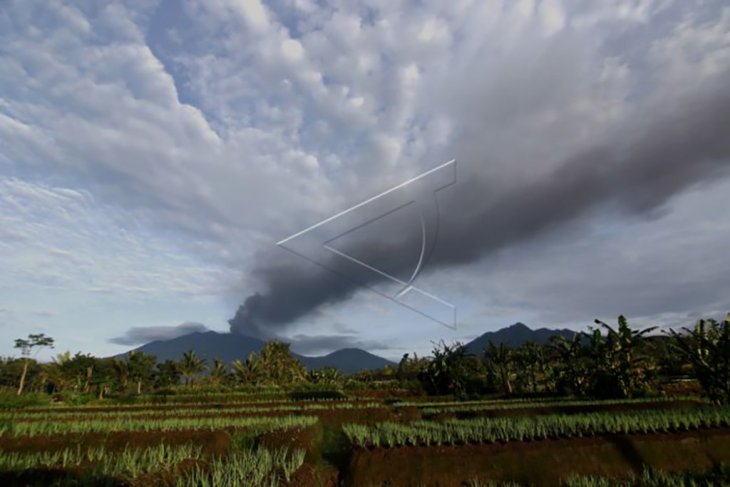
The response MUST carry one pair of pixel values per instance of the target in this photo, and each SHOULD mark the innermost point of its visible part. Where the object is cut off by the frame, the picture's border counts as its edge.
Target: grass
(77, 414)
(469, 406)
(91, 425)
(259, 467)
(127, 463)
(490, 430)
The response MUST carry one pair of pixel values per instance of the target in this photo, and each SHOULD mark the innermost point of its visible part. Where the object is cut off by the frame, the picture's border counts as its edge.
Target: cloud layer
(162, 148)
(139, 335)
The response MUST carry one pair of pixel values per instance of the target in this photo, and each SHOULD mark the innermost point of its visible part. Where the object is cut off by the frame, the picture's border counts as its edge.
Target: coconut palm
(219, 371)
(190, 365)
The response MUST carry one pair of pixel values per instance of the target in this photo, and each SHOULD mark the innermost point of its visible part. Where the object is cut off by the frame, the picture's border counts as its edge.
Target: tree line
(139, 372)
(605, 361)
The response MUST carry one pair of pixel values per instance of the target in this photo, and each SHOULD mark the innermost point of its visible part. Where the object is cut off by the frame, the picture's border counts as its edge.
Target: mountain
(233, 346)
(514, 336)
(209, 345)
(348, 360)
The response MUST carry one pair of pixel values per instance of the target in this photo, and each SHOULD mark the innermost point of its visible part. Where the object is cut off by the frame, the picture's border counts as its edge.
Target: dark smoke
(636, 173)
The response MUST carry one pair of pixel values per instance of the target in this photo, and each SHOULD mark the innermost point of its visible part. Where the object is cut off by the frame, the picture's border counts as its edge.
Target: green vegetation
(128, 463)
(266, 421)
(93, 425)
(707, 348)
(475, 406)
(259, 467)
(491, 430)
(648, 478)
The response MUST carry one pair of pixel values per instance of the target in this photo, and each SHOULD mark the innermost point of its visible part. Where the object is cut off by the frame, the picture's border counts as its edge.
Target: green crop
(490, 430)
(129, 462)
(181, 412)
(475, 406)
(144, 424)
(257, 467)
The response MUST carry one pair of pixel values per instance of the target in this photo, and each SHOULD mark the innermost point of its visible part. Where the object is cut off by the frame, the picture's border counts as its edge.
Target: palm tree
(190, 365)
(218, 371)
(36, 341)
(278, 365)
(499, 360)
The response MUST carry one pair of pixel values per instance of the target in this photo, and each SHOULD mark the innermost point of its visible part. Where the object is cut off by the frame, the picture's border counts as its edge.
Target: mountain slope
(233, 346)
(347, 360)
(514, 336)
(209, 345)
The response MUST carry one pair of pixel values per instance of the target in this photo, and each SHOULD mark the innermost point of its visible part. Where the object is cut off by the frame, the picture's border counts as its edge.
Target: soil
(178, 406)
(307, 439)
(577, 409)
(550, 461)
(216, 442)
(55, 476)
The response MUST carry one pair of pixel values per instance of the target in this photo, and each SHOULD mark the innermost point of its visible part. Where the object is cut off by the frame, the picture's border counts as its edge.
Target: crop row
(490, 430)
(155, 405)
(260, 467)
(486, 406)
(537, 402)
(183, 411)
(129, 462)
(648, 478)
(654, 478)
(261, 424)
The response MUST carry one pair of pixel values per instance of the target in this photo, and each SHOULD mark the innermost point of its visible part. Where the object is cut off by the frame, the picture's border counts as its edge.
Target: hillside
(233, 346)
(514, 336)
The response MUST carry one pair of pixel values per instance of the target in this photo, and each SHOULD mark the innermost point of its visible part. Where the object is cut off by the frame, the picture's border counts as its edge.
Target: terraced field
(275, 440)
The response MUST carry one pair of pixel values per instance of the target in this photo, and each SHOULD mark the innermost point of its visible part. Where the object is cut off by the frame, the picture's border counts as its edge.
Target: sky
(153, 153)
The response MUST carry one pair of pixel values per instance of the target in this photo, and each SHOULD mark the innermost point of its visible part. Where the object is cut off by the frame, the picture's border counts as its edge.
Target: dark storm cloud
(139, 335)
(666, 149)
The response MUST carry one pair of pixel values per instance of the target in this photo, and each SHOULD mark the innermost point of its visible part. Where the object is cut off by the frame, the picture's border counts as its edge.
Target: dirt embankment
(216, 442)
(574, 409)
(544, 462)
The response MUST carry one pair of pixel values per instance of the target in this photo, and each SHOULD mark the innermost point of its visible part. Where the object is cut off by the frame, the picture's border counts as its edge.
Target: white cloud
(208, 149)
(59, 238)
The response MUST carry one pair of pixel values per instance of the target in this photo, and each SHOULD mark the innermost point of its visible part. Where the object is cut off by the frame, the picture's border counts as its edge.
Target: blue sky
(152, 153)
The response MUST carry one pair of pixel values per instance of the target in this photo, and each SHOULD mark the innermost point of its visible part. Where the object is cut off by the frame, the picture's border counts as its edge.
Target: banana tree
(707, 348)
(623, 358)
(499, 359)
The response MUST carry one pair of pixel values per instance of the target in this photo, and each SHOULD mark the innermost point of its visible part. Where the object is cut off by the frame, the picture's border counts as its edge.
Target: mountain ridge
(234, 346)
(514, 336)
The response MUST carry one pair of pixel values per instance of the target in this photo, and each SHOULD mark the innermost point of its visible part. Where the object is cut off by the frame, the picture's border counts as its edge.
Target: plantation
(585, 416)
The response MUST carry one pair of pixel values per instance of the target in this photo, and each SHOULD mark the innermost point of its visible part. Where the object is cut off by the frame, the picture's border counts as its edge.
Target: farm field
(279, 440)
